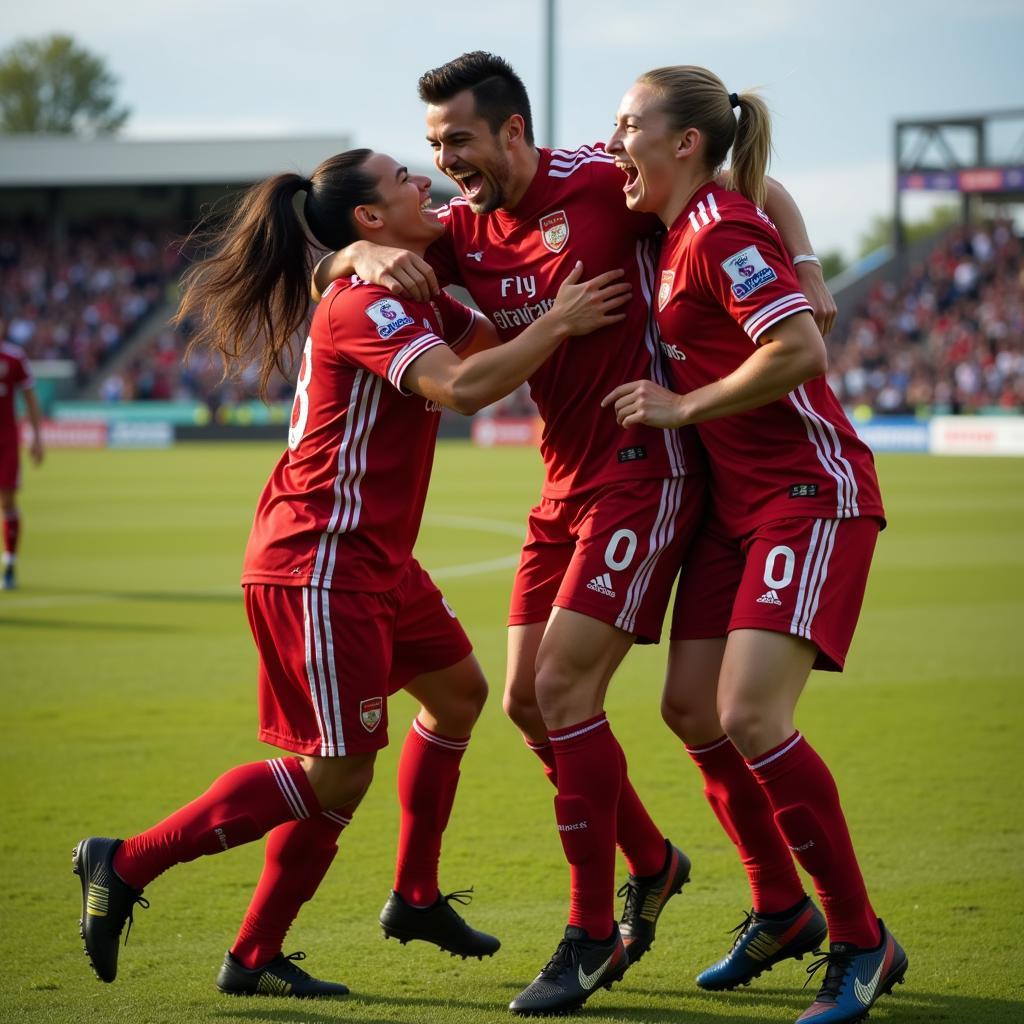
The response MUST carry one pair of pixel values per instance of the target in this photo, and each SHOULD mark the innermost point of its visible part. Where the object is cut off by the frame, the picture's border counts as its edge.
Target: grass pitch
(128, 677)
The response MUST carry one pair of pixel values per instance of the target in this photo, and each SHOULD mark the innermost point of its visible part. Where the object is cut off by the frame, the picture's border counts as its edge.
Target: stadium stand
(80, 296)
(946, 337)
(83, 282)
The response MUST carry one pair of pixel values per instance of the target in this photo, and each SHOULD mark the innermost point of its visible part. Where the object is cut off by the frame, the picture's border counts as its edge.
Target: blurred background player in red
(341, 612)
(616, 512)
(774, 583)
(15, 378)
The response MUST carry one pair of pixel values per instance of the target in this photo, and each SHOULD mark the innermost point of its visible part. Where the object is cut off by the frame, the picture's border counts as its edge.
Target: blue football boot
(854, 979)
(763, 942)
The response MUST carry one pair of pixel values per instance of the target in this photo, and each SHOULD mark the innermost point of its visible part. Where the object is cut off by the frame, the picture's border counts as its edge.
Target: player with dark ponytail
(341, 612)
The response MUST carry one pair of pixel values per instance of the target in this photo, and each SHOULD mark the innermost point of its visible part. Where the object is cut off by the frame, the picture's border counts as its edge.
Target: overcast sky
(836, 74)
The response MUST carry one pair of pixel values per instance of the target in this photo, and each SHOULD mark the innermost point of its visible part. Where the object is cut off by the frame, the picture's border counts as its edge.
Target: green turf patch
(129, 680)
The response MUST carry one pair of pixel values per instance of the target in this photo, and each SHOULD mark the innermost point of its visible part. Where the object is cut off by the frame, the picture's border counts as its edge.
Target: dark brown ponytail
(249, 297)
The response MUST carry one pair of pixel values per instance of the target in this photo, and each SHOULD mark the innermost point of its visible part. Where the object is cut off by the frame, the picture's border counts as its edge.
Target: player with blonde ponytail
(774, 583)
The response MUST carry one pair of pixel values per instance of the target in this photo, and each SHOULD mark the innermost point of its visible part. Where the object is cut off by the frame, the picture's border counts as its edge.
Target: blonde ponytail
(752, 148)
(694, 97)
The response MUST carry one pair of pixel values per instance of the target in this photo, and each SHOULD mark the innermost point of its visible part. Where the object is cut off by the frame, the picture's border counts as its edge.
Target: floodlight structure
(979, 156)
(549, 73)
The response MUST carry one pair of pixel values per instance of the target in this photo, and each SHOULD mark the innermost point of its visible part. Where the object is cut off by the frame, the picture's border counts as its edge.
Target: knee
(521, 708)
(746, 724)
(463, 708)
(562, 695)
(340, 781)
(691, 721)
(519, 702)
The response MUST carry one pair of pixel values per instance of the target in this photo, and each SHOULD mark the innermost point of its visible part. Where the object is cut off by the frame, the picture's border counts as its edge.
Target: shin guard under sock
(428, 775)
(806, 805)
(589, 770)
(743, 809)
(297, 857)
(240, 806)
(640, 840)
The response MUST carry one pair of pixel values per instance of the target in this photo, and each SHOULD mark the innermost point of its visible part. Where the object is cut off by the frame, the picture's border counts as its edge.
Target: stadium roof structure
(979, 154)
(66, 161)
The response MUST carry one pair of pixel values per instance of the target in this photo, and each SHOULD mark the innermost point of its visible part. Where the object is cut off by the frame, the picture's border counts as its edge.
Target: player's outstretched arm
(400, 271)
(470, 384)
(787, 355)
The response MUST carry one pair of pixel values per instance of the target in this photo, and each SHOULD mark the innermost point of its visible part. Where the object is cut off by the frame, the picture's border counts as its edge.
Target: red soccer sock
(589, 768)
(12, 528)
(428, 774)
(547, 758)
(640, 840)
(806, 804)
(242, 805)
(743, 810)
(297, 858)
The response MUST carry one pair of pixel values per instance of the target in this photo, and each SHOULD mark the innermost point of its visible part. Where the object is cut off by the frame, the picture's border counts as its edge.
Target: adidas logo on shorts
(603, 585)
(769, 598)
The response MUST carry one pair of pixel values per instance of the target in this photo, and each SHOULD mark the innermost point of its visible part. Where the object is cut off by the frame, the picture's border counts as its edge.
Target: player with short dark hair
(341, 612)
(15, 377)
(774, 584)
(616, 512)
(498, 92)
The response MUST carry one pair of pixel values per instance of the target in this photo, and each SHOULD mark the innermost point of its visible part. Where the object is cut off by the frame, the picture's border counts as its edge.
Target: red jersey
(15, 376)
(724, 279)
(512, 262)
(343, 506)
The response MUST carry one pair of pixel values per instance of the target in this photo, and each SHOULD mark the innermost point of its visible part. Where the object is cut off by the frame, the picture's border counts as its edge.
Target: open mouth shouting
(470, 182)
(632, 176)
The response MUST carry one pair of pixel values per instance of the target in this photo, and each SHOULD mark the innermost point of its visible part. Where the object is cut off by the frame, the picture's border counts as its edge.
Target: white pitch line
(503, 526)
(474, 568)
(448, 572)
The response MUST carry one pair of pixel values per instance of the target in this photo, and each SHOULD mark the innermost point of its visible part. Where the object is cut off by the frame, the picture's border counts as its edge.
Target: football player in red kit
(774, 584)
(15, 377)
(341, 613)
(616, 512)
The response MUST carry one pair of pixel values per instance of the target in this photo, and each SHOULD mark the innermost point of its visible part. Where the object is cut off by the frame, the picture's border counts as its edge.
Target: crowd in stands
(158, 370)
(79, 294)
(948, 337)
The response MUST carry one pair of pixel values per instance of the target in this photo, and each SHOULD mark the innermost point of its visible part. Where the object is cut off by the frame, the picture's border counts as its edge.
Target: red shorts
(800, 576)
(330, 658)
(612, 554)
(10, 462)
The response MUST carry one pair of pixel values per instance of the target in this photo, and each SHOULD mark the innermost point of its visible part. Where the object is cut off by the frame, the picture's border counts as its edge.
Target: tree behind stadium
(54, 85)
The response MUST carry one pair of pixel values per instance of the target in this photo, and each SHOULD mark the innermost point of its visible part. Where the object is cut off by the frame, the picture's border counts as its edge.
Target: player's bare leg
(11, 527)
(239, 807)
(763, 675)
(689, 702)
(428, 775)
(781, 909)
(520, 699)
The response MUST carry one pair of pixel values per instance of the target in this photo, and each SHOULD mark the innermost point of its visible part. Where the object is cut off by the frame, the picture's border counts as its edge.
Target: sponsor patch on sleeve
(388, 316)
(747, 271)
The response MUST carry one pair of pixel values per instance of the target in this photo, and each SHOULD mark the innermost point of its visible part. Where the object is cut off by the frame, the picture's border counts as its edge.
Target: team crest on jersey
(665, 290)
(370, 712)
(388, 316)
(748, 271)
(554, 230)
